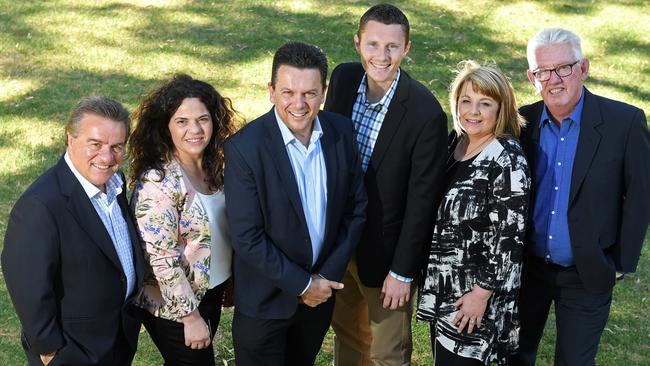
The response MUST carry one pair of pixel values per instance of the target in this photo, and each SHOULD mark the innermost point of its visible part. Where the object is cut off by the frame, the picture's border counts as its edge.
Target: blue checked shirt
(368, 117)
(111, 215)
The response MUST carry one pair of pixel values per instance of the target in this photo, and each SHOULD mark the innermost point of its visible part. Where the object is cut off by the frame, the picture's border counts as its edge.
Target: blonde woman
(472, 278)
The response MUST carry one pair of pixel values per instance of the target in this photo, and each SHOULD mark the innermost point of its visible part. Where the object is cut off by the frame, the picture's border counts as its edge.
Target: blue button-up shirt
(308, 164)
(555, 156)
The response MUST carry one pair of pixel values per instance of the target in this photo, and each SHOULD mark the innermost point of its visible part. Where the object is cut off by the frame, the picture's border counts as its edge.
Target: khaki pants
(366, 333)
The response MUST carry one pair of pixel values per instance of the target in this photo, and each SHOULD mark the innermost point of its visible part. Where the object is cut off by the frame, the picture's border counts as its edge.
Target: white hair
(549, 37)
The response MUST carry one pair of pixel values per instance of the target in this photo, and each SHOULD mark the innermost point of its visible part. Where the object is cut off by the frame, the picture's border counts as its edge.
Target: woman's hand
(197, 332)
(471, 309)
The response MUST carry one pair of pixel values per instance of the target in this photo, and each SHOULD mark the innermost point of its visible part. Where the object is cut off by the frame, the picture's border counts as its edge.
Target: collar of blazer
(87, 218)
(588, 140)
(278, 151)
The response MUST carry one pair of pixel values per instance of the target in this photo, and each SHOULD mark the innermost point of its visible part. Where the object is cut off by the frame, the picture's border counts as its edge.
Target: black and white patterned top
(478, 240)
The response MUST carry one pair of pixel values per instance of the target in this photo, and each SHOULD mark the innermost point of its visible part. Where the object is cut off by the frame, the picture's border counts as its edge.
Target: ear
(584, 69)
(68, 139)
(531, 77)
(357, 43)
(407, 47)
(271, 93)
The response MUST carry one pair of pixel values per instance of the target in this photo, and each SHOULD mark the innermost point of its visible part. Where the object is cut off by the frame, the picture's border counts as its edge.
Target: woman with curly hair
(176, 153)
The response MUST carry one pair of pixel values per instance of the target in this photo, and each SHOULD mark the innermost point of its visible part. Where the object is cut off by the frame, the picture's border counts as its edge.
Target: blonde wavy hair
(490, 81)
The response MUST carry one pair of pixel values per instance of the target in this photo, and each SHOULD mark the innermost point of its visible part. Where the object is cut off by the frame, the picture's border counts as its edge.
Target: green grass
(54, 52)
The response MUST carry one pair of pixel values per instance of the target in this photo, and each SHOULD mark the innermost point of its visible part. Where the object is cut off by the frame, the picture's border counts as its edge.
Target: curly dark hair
(150, 145)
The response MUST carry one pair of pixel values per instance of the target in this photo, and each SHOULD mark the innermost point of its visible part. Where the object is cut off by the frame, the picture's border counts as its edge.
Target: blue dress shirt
(308, 164)
(555, 156)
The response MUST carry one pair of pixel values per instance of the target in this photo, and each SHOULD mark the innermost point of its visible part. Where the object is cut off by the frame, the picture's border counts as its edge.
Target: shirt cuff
(305, 290)
(400, 278)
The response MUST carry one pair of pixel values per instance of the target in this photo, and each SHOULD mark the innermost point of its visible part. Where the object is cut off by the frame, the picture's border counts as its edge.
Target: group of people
(309, 218)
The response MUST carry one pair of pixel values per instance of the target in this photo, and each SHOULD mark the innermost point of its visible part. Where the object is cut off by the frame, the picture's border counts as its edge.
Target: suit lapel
(138, 259)
(84, 212)
(278, 152)
(391, 123)
(587, 142)
(328, 144)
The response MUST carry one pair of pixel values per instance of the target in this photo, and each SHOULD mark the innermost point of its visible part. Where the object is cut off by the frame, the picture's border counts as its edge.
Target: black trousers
(276, 342)
(169, 336)
(580, 315)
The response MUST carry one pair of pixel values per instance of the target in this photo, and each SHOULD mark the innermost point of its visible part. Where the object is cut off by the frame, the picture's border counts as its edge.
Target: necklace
(475, 151)
(451, 160)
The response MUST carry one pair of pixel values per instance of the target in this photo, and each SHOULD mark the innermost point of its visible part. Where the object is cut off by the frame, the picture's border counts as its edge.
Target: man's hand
(47, 358)
(472, 307)
(319, 290)
(196, 331)
(395, 293)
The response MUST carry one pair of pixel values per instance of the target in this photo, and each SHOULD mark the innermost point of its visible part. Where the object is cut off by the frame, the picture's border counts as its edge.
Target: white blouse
(221, 250)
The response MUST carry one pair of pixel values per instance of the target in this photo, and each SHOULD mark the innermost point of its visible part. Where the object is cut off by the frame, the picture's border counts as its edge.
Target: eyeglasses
(561, 71)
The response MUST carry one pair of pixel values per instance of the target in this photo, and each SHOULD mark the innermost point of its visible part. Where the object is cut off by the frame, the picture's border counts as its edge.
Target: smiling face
(477, 113)
(297, 96)
(96, 148)
(190, 128)
(560, 94)
(382, 48)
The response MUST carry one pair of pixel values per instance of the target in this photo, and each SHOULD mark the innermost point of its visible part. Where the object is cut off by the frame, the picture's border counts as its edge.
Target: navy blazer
(405, 176)
(272, 262)
(609, 198)
(64, 276)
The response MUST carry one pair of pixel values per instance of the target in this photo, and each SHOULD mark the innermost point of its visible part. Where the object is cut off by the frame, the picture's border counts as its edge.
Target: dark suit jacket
(64, 276)
(404, 179)
(273, 254)
(609, 200)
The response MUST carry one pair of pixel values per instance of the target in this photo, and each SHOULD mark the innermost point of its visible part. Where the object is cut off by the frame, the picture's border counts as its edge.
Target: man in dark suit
(295, 203)
(591, 200)
(401, 133)
(71, 258)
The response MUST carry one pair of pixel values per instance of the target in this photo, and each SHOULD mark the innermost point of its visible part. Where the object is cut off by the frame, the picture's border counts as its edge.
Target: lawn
(54, 52)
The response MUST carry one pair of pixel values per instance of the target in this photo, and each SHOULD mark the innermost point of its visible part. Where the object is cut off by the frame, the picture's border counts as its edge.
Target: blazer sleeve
(30, 263)
(507, 210)
(425, 186)
(249, 239)
(157, 215)
(636, 203)
(353, 221)
(332, 89)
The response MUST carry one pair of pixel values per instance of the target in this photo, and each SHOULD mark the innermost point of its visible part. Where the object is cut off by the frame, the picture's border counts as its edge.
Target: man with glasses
(591, 203)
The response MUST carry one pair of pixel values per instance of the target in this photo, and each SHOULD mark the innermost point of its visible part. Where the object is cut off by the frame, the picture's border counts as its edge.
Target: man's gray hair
(549, 37)
(98, 106)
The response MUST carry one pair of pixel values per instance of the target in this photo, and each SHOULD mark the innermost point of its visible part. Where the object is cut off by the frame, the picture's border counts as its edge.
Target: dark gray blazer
(609, 201)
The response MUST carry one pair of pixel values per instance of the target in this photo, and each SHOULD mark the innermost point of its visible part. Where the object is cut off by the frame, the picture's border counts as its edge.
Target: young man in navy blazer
(296, 207)
(401, 133)
(591, 200)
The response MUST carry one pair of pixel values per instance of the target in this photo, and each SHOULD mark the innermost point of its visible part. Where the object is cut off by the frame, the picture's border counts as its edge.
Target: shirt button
(558, 163)
(555, 188)
(550, 236)
(548, 256)
(552, 212)
(561, 138)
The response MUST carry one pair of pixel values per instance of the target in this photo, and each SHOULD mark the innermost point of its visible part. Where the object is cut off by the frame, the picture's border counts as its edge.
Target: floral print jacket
(175, 237)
